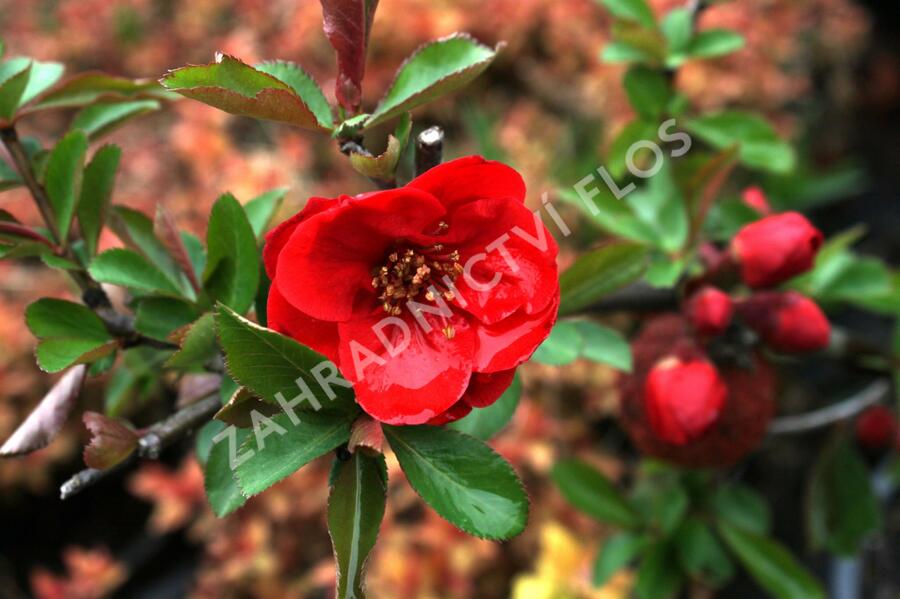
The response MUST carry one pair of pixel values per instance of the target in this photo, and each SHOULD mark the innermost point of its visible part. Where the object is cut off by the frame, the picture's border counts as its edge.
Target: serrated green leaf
(86, 88)
(760, 147)
(222, 490)
(677, 26)
(237, 88)
(198, 345)
(463, 479)
(384, 166)
(771, 565)
(599, 273)
(592, 493)
(355, 510)
(484, 423)
(50, 317)
(99, 119)
(96, 194)
(268, 363)
(232, 267)
(288, 447)
(136, 230)
(58, 353)
(616, 553)
(126, 268)
(261, 209)
(434, 70)
(14, 76)
(43, 76)
(159, 317)
(617, 51)
(305, 86)
(701, 554)
(65, 168)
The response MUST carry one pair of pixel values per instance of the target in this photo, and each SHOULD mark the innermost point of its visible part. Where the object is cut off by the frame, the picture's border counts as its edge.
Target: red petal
(511, 341)
(470, 178)
(458, 410)
(420, 381)
(502, 236)
(486, 388)
(277, 237)
(320, 335)
(327, 263)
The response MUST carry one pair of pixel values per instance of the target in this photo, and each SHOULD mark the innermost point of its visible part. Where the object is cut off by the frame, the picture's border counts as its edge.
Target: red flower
(788, 322)
(741, 422)
(776, 248)
(756, 199)
(683, 398)
(710, 311)
(426, 297)
(876, 428)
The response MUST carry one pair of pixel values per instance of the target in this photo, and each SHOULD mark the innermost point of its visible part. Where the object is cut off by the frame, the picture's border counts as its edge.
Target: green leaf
(159, 317)
(659, 576)
(635, 131)
(65, 167)
(198, 346)
(484, 423)
(633, 10)
(268, 363)
(664, 271)
(434, 70)
(741, 506)
(96, 194)
(677, 26)
(100, 119)
(237, 88)
(261, 209)
(771, 565)
(43, 76)
(662, 207)
(715, 42)
(592, 493)
(14, 75)
(222, 489)
(648, 92)
(305, 87)
(126, 268)
(463, 479)
(610, 214)
(288, 447)
(355, 510)
(618, 51)
(599, 273)
(561, 347)
(662, 501)
(384, 166)
(604, 345)
(616, 553)
(701, 554)
(58, 353)
(842, 508)
(87, 88)
(232, 267)
(760, 147)
(49, 317)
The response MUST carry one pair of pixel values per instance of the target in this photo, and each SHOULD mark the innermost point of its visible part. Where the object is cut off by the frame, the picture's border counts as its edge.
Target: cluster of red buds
(702, 393)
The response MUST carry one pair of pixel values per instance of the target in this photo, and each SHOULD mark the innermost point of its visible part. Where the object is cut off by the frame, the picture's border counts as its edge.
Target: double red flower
(426, 297)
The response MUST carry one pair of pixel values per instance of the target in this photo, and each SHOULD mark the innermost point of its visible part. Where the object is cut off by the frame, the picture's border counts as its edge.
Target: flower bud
(876, 428)
(683, 398)
(756, 199)
(775, 248)
(787, 322)
(710, 311)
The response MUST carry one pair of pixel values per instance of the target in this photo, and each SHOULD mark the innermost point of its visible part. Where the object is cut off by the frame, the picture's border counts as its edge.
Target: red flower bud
(756, 199)
(787, 322)
(710, 311)
(776, 248)
(741, 422)
(683, 399)
(876, 428)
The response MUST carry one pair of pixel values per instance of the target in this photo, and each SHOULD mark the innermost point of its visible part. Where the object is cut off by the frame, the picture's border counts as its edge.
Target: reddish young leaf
(45, 422)
(165, 228)
(347, 24)
(367, 434)
(111, 441)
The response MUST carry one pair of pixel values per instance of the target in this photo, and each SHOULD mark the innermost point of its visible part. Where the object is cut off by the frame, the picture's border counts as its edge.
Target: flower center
(411, 272)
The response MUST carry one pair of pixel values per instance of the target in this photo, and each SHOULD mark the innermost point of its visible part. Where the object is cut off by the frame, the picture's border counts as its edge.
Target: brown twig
(150, 444)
